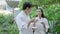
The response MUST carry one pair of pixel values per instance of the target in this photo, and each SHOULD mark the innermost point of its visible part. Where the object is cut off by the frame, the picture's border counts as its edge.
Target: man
(23, 20)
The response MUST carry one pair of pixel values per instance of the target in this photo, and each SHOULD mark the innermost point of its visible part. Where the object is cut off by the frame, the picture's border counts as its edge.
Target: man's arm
(20, 23)
(31, 21)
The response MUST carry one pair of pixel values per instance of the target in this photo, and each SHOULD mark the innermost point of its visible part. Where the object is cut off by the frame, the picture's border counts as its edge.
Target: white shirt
(40, 27)
(21, 21)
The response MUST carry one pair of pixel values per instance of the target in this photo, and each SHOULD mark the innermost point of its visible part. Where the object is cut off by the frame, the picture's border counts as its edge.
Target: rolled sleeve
(20, 23)
(46, 24)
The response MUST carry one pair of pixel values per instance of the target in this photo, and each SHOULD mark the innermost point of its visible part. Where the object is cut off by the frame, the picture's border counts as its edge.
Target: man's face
(28, 10)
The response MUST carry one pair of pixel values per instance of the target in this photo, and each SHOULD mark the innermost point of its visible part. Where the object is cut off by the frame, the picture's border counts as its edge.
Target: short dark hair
(27, 4)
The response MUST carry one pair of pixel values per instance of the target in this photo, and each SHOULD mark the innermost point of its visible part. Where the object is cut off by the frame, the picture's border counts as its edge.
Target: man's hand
(32, 21)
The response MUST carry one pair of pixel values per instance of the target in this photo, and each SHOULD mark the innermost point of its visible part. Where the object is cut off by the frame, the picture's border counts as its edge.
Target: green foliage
(33, 13)
(52, 12)
(39, 2)
(57, 26)
(6, 25)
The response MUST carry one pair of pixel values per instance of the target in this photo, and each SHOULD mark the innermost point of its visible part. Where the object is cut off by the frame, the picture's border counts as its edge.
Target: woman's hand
(43, 24)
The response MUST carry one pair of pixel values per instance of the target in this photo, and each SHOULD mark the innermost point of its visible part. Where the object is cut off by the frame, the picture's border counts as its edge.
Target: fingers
(43, 24)
(32, 20)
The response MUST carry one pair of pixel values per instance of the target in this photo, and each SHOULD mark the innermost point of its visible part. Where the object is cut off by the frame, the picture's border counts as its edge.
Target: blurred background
(9, 9)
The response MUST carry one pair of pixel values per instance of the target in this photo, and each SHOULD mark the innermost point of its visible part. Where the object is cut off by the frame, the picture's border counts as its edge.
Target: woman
(41, 23)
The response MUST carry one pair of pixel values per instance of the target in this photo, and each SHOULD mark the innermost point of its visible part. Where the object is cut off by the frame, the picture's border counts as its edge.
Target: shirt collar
(25, 13)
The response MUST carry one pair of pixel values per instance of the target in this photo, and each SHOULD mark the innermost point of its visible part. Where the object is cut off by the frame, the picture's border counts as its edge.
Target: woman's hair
(42, 12)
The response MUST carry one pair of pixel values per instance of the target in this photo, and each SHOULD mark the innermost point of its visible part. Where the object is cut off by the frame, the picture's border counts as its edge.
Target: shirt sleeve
(21, 23)
(46, 24)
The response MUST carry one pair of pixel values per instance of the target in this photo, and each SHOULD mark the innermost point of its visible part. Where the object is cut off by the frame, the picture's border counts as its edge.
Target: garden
(51, 9)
